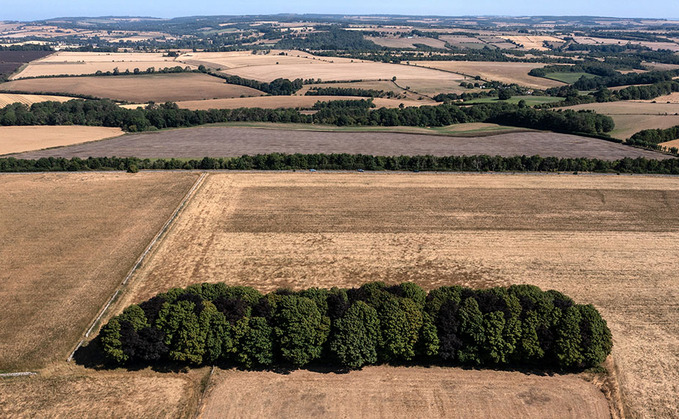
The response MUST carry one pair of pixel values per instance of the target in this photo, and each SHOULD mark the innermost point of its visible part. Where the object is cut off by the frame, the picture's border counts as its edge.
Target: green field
(530, 100)
(569, 78)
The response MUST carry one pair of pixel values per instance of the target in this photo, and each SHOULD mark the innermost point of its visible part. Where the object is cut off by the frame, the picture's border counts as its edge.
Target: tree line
(651, 138)
(347, 91)
(279, 161)
(341, 113)
(519, 325)
(651, 77)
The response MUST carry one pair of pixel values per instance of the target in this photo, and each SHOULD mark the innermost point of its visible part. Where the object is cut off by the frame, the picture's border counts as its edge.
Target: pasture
(606, 240)
(505, 72)
(569, 78)
(400, 393)
(78, 63)
(68, 241)
(18, 139)
(141, 89)
(225, 141)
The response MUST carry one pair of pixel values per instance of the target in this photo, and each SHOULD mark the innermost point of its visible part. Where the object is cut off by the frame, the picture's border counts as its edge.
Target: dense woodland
(341, 113)
(278, 161)
(651, 138)
(350, 328)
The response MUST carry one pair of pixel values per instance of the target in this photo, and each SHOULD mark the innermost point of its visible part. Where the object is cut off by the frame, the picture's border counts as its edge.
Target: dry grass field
(18, 139)
(67, 242)
(157, 87)
(606, 240)
(274, 102)
(78, 63)
(670, 144)
(533, 42)
(9, 98)
(633, 116)
(68, 391)
(229, 141)
(386, 392)
(506, 72)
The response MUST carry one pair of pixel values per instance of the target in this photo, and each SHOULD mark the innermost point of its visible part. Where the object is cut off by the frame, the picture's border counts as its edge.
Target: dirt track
(229, 142)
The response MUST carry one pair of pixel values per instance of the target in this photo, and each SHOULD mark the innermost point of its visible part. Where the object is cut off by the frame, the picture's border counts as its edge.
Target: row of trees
(347, 91)
(351, 328)
(651, 77)
(277, 87)
(594, 68)
(651, 138)
(276, 161)
(342, 113)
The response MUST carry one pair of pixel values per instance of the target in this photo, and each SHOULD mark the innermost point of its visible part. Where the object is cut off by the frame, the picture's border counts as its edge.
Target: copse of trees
(276, 161)
(277, 87)
(520, 325)
(651, 138)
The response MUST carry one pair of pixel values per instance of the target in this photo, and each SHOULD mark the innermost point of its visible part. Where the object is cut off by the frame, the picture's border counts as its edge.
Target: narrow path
(139, 261)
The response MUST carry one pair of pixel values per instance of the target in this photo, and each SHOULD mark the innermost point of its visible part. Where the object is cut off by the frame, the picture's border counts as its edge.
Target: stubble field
(18, 139)
(68, 241)
(221, 141)
(144, 88)
(606, 240)
(506, 72)
(9, 98)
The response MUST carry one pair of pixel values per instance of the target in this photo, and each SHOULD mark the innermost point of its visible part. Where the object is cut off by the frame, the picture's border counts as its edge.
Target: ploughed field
(606, 240)
(67, 242)
(231, 142)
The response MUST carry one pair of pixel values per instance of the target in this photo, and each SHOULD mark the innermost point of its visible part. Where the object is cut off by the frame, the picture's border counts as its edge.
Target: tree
(355, 336)
(254, 342)
(400, 323)
(184, 335)
(471, 332)
(505, 94)
(109, 337)
(300, 328)
(596, 341)
(568, 339)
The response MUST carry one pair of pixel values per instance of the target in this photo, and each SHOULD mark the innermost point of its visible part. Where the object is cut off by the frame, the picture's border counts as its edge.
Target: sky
(43, 9)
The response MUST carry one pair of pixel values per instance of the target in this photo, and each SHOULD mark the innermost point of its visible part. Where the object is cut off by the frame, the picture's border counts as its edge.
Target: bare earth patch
(606, 240)
(232, 142)
(67, 242)
(143, 88)
(401, 393)
(17, 139)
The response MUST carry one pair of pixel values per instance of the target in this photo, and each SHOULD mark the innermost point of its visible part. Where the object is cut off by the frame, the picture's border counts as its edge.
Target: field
(633, 116)
(530, 100)
(506, 72)
(68, 241)
(11, 61)
(274, 102)
(78, 63)
(297, 64)
(9, 98)
(406, 43)
(299, 230)
(533, 42)
(18, 139)
(157, 87)
(670, 144)
(401, 393)
(589, 40)
(69, 391)
(220, 141)
(569, 78)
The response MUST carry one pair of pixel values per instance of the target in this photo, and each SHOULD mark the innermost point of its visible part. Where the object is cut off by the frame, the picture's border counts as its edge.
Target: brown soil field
(606, 240)
(633, 116)
(18, 139)
(389, 392)
(9, 98)
(11, 61)
(235, 141)
(274, 102)
(506, 72)
(68, 241)
(157, 87)
(77, 63)
(70, 391)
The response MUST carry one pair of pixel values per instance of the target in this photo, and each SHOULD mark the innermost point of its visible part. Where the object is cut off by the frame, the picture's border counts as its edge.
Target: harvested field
(9, 98)
(506, 72)
(606, 240)
(68, 241)
(274, 102)
(670, 144)
(401, 393)
(589, 40)
(17, 139)
(632, 117)
(533, 42)
(232, 142)
(11, 61)
(671, 98)
(144, 88)
(78, 63)
(74, 392)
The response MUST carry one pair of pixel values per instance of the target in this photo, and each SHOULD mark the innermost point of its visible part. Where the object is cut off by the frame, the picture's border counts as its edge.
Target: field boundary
(139, 261)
